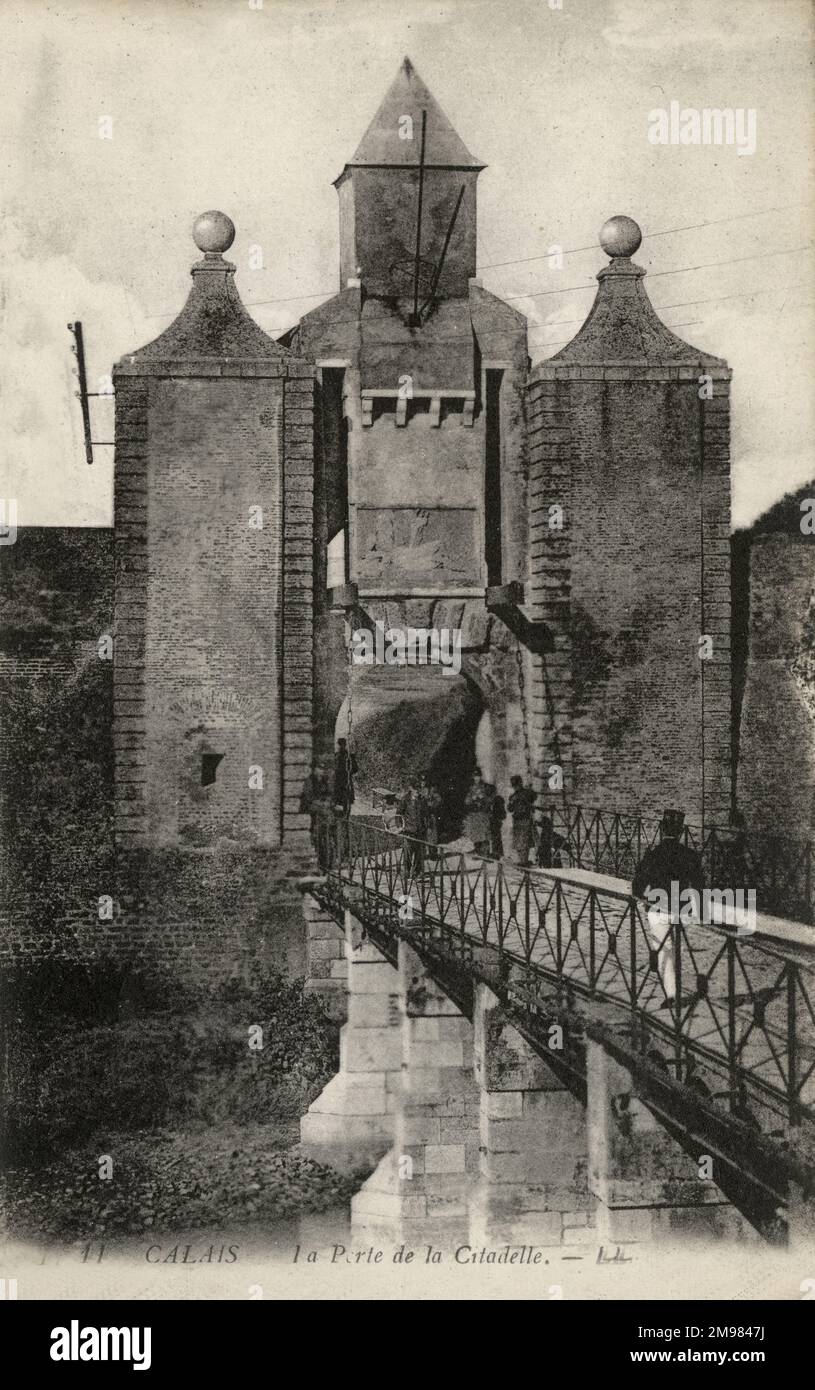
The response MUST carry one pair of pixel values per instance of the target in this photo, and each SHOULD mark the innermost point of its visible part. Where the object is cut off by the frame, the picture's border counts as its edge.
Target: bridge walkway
(745, 1003)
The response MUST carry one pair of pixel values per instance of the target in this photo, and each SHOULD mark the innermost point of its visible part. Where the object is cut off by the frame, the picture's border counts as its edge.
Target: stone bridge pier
(350, 1124)
(421, 1188)
(533, 1185)
(647, 1187)
(460, 1131)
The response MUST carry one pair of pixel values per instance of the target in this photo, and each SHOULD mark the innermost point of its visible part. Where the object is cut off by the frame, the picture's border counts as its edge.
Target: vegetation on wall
(91, 1051)
(56, 587)
(193, 1090)
(58, 788)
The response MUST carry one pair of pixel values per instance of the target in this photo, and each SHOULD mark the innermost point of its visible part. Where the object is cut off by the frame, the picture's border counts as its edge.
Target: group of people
(485, 812)
(669, 865)
(419, 810)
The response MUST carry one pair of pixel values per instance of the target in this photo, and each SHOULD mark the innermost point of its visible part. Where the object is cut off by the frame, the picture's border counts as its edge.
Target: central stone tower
(420, 483)
(409, 153)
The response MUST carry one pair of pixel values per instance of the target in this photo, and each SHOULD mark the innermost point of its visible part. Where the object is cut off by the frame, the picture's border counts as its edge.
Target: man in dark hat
(663, 875)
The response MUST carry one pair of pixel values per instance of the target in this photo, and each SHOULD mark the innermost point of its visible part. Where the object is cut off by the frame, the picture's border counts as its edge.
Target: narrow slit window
(209, 768)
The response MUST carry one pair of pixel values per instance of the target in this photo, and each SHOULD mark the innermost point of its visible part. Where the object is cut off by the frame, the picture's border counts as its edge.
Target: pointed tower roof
(408, 96)
(213, 324)
(623, 326)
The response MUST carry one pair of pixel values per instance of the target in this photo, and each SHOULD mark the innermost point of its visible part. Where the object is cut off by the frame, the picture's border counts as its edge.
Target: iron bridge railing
(778, 868)
(740, 1031)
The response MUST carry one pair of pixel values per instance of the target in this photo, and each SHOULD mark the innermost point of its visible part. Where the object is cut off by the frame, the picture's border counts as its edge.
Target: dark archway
(412, 720)
(451, 771)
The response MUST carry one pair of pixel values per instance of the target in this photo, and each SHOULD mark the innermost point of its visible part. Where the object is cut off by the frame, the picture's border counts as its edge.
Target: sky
(221, 104)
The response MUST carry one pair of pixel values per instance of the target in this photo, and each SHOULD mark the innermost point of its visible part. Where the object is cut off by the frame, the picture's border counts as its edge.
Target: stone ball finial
(213, 232)
(620, 236)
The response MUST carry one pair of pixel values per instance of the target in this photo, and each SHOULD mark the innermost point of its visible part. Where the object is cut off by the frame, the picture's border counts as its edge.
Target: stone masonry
(213, 529)
(534, 1159)
(351, 1122)
(421, 1186)
(629, 565)
(647, 1187)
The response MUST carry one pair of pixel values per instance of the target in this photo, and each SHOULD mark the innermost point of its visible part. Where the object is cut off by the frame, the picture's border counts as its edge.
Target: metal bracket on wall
(83, 395)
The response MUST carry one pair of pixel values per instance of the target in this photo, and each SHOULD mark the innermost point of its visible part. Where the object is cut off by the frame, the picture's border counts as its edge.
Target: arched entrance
(411, 720)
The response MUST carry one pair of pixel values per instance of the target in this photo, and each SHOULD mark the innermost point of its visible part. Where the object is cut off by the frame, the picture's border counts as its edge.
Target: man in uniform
(670, 865)
(498, 814)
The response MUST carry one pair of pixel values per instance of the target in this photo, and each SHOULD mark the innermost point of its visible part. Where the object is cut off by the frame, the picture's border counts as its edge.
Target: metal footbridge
(728, 1066)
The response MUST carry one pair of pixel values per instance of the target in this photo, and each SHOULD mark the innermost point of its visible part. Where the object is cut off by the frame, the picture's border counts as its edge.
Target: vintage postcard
(407, 654)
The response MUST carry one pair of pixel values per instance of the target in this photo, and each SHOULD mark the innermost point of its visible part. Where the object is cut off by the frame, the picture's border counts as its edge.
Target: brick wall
(199, 918)
(639, 571)
(213, 616)
(214, 532)
(776, 784)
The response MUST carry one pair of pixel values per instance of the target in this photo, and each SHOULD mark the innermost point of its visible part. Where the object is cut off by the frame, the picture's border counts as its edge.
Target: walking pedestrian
(664, 873)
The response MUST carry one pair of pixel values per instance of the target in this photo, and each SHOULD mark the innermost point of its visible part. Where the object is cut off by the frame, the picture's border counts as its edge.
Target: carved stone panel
(417, 546)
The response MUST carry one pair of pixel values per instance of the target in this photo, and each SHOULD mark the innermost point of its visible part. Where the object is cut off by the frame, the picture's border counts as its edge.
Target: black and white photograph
(407, 660)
